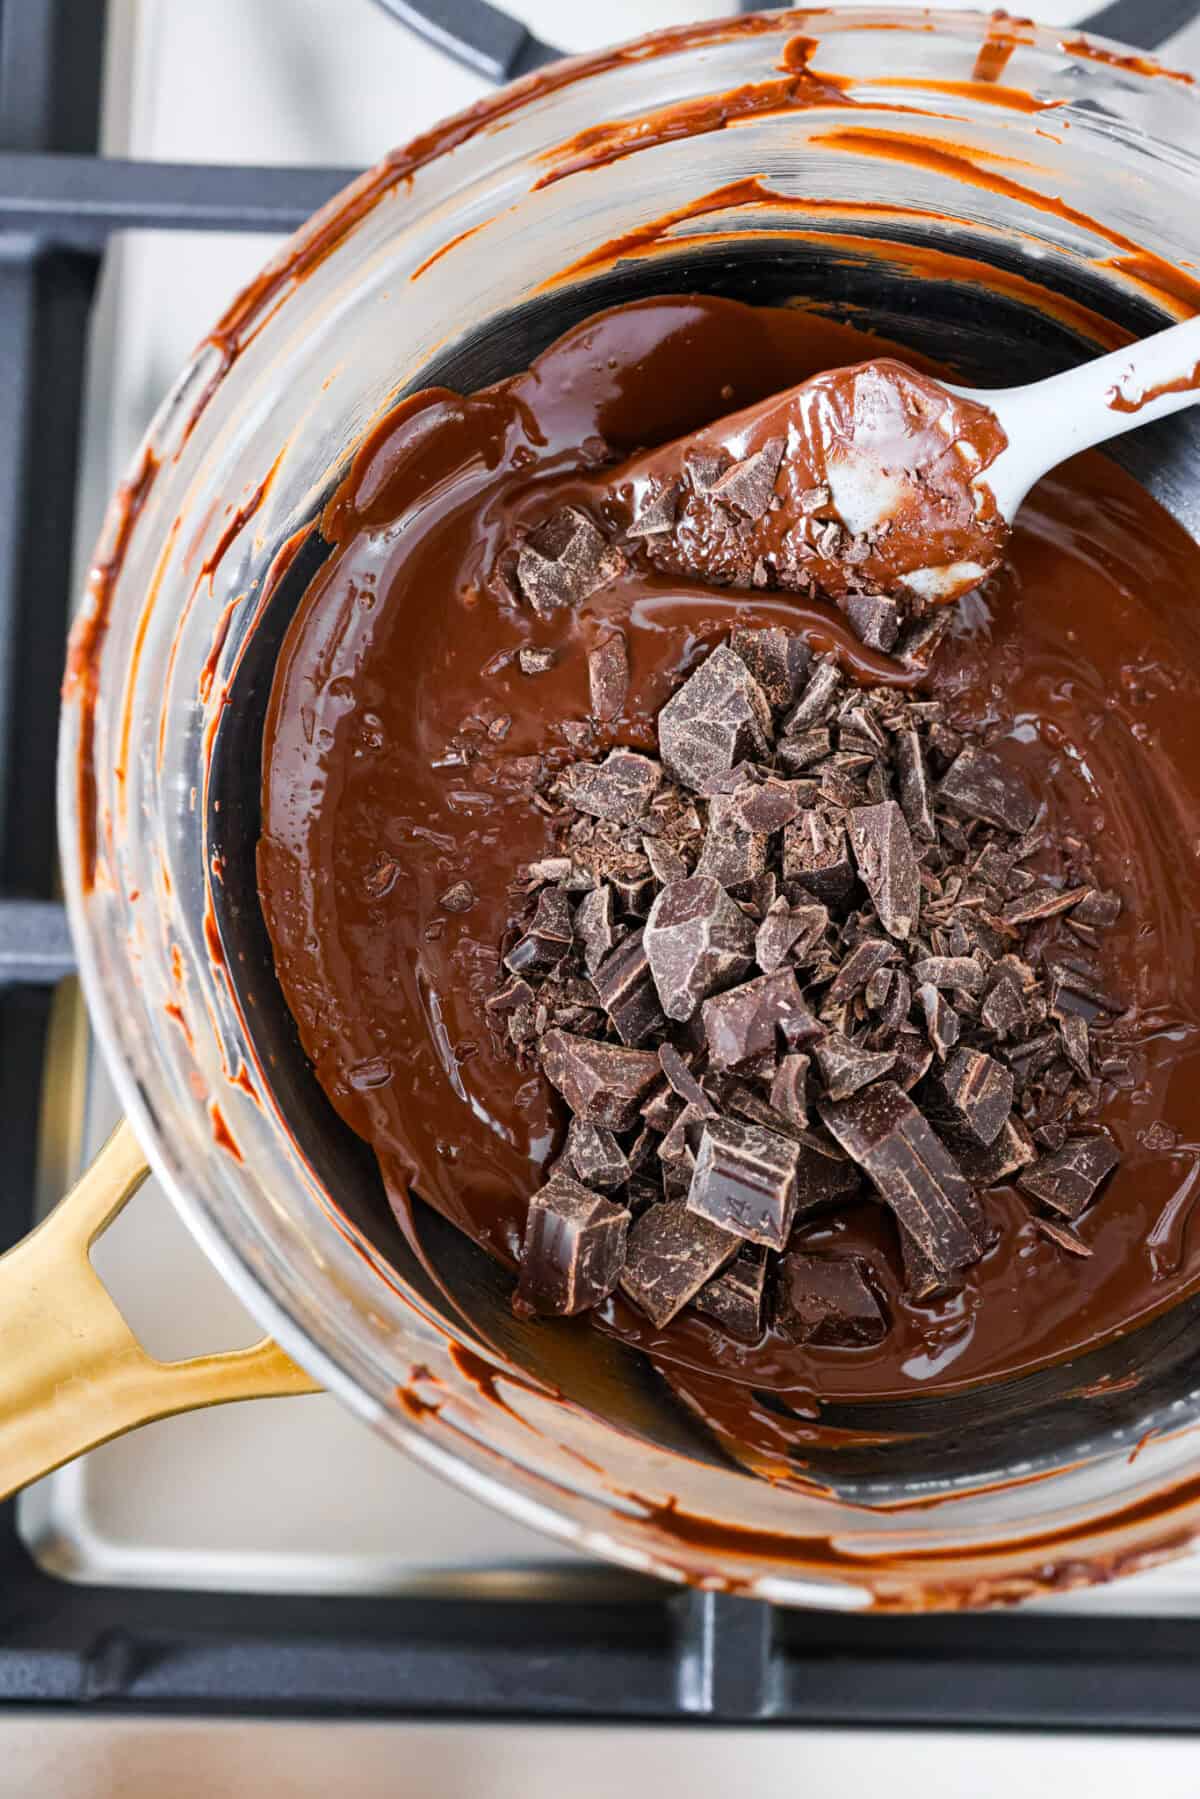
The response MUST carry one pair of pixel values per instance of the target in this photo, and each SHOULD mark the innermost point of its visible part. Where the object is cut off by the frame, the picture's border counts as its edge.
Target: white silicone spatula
(878, 479)
(1047, 421)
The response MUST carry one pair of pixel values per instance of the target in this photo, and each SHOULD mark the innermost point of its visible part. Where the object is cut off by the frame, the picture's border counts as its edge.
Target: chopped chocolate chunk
(1159, 1136)
(745, 1180)
(818, 700)
(912, 776)
(704, 467)
(548, 938)
(657, 512)
(698, 941)
(535, 659)
(564, 560)
(1072, 991)
(596, 1156)
(960, 973)
(916, 1176)
(845, 1067)
(1077, 1044)
(719, 717)
(789, 1089)
(573, 1251)
(856, 971)
(633, 891)
(594, 926)
(816, 857)
(914, 1058)
(678, 1147)
(1063, 1235)
(514, 992)
(1004, 1011)
(764, 809)
(1067, 1180)
(788, 933)
(749, 484)
(777, 659)
(663, 1107)
(620, 788)
(981, 786)
(666, 863)
(986, 1165)
(1097, 908)
(941, 1020)
(602, 1083)
(731, 854)
(627, 992)
(827, 1301)
(683, 1081)
(671, 1254)
(922, 641)
(1038, 904)
(735, 1299)
(747, 1020)
(875, 619)
(459, 898)
(979, 1092)
(883, 850)
(805, 749)
(608, 677)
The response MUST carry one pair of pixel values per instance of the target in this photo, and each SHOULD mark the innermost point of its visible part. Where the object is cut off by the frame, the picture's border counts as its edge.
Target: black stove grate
(642, 1653)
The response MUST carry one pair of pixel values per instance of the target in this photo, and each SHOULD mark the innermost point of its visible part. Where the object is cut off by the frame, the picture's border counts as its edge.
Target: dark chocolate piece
(922, 1281)
(1004, 1011)
(698, 940)
(1097, 908)
(978, 784)
(719, 717)
(594, 927)
(749, 484)
(536, 659)
(564, 560)
(608, 678)
(573, 1252)
(731, 854)
(745, 1181)
(777, 659)
(683, 1081)
(748, 1020)
(876, 620)
(816, 857)
(826, 1300)
(914, 1058)
(658, 512)
(883, 850)
(1067, 1180)
(735, 1299)
(1039, 904)
(979, 1091)
(666, 863)
(627, 991)
(913, 781)
(596, 1156)
(1064, 1236)
(619, 788)
(988, 1165)
(845, 1067)
(459, 898)
(860, 965)
(765, 809)
(960, 973)
(789, 1089)
(671, 1254)
(916, 1176)
(787, 933)
(804, 749)
(603, 1083)
(548, 938)
(1077, 1044)
(817, 702)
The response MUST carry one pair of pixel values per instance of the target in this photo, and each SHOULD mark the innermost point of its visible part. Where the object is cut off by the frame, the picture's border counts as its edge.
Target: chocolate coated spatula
(876, 478)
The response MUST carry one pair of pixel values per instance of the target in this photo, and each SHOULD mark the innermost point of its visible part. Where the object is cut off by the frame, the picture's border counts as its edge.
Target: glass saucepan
(1004, 210)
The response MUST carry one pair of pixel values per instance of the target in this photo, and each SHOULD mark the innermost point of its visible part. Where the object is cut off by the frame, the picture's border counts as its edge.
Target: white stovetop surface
(299, 1495)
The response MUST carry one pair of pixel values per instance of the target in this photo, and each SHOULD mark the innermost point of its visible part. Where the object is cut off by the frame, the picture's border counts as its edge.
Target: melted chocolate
(383, 788)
